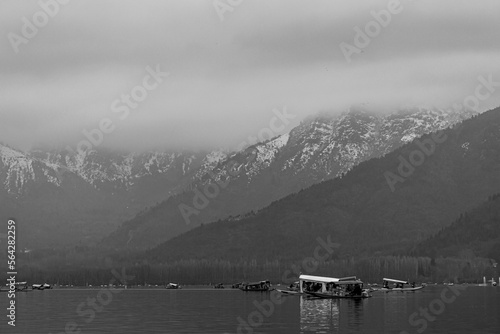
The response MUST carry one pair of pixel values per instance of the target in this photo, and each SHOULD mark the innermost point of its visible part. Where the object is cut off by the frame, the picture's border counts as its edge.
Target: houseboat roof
(394, 281)
(348, 278)
(256, 283)
(319, 279)
(349, 282)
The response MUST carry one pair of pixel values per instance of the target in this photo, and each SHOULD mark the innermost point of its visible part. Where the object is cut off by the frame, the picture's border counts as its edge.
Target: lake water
(435, 309)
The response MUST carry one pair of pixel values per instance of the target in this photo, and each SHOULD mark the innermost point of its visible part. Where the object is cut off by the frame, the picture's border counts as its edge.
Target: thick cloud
(227, 76)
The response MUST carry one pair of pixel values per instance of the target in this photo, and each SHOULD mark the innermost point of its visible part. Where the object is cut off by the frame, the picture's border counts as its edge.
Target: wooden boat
(172, 286)
(256, 286)
(309, 283)
(21, 286)
(345, 289)
(399, 286)
(319, 283)
(290, 292)
(236, 285)
(41, 286)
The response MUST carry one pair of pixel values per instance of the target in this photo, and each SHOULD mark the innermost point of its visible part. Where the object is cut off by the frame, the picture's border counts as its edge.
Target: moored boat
(290, 292)
(256, 286)
(399, 286)
(173, 286)
(21, 286)
(41, 286)
(18, 286)
(236, 285)
(342, 289)
(309, 283)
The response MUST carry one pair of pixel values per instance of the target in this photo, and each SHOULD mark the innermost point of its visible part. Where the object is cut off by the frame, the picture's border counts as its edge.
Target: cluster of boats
(23, 286)
(322, 287)
(345, 287)
(314, 286)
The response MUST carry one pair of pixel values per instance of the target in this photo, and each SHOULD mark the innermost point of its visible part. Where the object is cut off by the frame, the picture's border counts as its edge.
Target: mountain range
(322, 147)
(62, 198)
(438, 176)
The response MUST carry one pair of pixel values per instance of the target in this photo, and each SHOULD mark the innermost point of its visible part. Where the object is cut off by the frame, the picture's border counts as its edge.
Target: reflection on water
(395, 305)
(319, 315)
(218, 311)
(331, 315)
(354, 311)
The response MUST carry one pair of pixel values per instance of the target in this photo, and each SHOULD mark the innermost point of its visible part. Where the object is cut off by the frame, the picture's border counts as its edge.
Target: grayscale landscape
(249, 166)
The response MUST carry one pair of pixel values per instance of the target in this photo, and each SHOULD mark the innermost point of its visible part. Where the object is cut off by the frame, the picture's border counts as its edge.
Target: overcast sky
(228, 68)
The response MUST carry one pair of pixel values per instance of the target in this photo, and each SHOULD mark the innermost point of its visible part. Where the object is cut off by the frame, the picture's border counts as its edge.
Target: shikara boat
(256, 286)
(172, 286)
(41, 286)
(348, 289)
(22, 286)
(19, 286)
(236, 285)
(292, 290)
(399, 286)
(309, 283)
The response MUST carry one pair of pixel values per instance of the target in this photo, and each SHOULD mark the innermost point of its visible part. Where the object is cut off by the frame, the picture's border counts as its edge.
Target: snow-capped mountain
(94, 190)
(70, 198)
(321, 147)
(327, 145)
(99, 168)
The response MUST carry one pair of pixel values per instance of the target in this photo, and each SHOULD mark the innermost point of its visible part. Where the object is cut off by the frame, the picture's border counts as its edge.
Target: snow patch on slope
(18, 168)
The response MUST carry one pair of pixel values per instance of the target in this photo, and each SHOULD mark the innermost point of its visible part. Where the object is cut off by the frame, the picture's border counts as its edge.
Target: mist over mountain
(361, 210)
(64, 198)
(322, 147)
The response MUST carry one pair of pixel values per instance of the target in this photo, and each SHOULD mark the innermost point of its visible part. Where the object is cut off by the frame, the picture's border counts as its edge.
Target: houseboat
(398, 286)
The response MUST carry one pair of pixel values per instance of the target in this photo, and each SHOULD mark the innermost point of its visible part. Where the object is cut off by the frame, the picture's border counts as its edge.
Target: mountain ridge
(359, 210)
(318, 149)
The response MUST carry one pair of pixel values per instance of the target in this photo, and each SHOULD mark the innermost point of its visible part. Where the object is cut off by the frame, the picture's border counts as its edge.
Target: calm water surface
(474, 310)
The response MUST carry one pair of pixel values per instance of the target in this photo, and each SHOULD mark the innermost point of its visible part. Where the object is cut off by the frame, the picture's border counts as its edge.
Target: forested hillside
(361, 211)
(474, 233)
